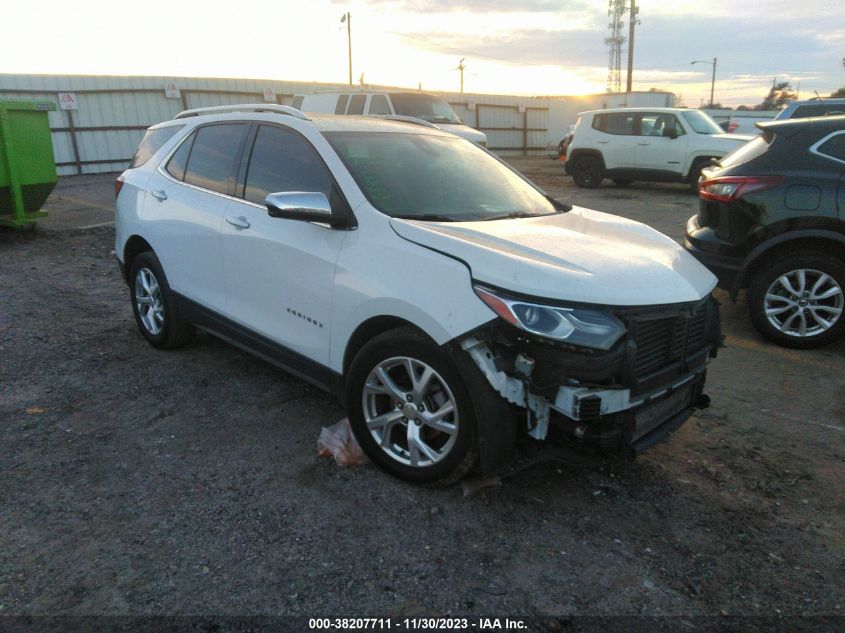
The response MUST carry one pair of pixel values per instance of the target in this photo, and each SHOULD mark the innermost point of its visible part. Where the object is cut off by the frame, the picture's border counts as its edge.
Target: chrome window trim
(163, 162)
(161, 170)
(814, 149)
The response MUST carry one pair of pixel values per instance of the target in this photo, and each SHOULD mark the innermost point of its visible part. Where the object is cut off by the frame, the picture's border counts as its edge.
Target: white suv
(657, 144)
(414, 274)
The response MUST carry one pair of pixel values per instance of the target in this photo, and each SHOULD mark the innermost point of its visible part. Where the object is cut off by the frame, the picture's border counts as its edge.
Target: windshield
(438, 178)
(701, 122)
(423, 107)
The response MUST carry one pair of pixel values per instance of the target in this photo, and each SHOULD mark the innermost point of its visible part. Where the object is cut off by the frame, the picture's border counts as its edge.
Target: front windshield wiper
(427, 217)
(515, 214)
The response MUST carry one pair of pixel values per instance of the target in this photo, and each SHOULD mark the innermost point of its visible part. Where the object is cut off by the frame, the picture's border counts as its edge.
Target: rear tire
(798, 302)
(587, 171)
(153, 306)
(419, 429)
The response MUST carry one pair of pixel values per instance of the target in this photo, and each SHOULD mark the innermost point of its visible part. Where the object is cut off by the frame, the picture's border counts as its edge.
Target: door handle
(238, 221)
(603, 142)
(643, 144)
(159, 194)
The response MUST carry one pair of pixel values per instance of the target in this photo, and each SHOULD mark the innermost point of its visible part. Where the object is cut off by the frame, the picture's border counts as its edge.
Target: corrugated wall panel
(547, 117)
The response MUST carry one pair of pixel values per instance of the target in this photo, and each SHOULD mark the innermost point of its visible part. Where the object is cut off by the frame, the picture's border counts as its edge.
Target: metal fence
(111, 113)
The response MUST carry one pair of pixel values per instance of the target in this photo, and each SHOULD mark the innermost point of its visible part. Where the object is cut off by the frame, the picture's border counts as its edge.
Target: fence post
(76, 157)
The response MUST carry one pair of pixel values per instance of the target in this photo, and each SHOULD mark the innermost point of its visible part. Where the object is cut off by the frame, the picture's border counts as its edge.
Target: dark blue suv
(772, 220)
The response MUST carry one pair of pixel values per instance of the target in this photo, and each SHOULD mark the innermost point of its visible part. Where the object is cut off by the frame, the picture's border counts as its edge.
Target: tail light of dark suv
(730, 188)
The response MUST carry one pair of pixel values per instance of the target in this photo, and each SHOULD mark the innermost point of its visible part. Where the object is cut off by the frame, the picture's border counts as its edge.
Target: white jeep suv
(409, 271)
(657, 144)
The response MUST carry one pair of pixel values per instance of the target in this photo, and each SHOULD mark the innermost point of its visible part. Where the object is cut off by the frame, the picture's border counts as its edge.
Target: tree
(779, 95)
(838, 93)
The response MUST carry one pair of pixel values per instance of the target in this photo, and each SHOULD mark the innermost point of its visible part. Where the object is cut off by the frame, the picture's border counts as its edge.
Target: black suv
(772, 219)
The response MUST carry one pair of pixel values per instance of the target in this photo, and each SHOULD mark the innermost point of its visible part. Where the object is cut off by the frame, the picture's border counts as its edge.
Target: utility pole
(632, 23)
(461, 68)
(347, 17)
(713, 79)
(713, 83)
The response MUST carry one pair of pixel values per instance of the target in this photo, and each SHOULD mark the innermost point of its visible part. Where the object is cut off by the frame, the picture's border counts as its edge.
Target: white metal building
(100, 119)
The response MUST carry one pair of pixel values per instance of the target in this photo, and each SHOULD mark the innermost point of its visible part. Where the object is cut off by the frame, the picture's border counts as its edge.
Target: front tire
(410, 409)
(587, 172)
(153, 306)
(798, 301)
(695, 174)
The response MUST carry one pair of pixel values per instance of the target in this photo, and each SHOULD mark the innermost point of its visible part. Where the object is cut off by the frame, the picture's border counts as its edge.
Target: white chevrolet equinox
(449, 302)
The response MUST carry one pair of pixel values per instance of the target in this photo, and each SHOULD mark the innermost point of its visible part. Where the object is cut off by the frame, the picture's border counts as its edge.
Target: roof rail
(244, 107)
(404, 119)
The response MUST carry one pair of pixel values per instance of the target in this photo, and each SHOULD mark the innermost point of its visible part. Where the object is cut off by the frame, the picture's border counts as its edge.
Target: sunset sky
(532, 47)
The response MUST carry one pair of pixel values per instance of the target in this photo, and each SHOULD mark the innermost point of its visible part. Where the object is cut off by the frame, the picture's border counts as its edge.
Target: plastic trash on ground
(339, 442)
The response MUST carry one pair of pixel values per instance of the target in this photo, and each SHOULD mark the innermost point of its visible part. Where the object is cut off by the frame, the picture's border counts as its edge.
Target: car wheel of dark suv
(798, 301)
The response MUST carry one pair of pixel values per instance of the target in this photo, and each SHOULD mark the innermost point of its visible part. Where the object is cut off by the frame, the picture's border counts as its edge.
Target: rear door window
(356, 104)
(152, 142)
(282, 160)
(340, 108)
(379, 105)
(211, 164)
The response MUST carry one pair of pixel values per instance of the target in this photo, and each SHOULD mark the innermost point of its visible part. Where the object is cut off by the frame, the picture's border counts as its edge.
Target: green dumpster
(27, 166)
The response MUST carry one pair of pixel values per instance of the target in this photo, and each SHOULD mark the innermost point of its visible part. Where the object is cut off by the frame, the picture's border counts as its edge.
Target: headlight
(578, 326)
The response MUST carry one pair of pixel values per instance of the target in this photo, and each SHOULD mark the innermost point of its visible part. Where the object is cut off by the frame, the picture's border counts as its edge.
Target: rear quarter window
(833, 147)
(152, 142)
(620, 123)
(340, 108)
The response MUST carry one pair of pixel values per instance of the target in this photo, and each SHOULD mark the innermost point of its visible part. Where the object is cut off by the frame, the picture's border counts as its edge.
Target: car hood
(582, 256)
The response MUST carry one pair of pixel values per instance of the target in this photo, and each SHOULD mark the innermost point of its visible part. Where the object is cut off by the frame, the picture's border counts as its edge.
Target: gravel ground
(134, 481)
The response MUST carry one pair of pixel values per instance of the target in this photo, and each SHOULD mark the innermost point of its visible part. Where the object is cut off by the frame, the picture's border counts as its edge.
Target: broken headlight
(576, 326)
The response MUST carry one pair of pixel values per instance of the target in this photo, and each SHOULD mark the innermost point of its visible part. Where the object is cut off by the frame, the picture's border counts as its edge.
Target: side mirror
(670, 132)
(308, 206)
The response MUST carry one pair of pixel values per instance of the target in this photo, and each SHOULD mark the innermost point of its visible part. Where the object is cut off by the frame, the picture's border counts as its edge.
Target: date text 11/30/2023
(416, 624)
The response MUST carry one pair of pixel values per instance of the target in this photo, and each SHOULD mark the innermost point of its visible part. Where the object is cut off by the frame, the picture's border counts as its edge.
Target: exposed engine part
(511, 389)
(523, 366)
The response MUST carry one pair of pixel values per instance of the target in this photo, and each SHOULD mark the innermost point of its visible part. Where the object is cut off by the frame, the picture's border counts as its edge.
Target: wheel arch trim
(761, 251)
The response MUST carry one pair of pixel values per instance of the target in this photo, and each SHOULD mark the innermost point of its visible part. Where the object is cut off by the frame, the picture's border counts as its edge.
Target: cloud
(527, 46)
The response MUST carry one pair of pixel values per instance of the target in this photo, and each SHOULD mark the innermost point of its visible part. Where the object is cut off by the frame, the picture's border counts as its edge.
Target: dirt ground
(134, 481)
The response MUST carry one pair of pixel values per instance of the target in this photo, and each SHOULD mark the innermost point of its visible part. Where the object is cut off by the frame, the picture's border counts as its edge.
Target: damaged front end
(615, 379)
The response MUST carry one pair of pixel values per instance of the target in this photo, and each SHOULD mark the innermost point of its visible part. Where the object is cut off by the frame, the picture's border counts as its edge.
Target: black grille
(665, 344)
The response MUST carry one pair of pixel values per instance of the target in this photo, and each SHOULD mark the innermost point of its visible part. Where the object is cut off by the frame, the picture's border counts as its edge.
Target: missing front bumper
(632, 431)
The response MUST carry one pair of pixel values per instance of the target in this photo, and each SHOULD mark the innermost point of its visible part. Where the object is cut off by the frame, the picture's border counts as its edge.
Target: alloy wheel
(148, 301)
(804, 302)
(410, 411)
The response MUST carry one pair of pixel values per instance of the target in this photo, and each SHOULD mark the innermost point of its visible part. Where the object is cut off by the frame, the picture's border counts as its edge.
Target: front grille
(666, 344)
